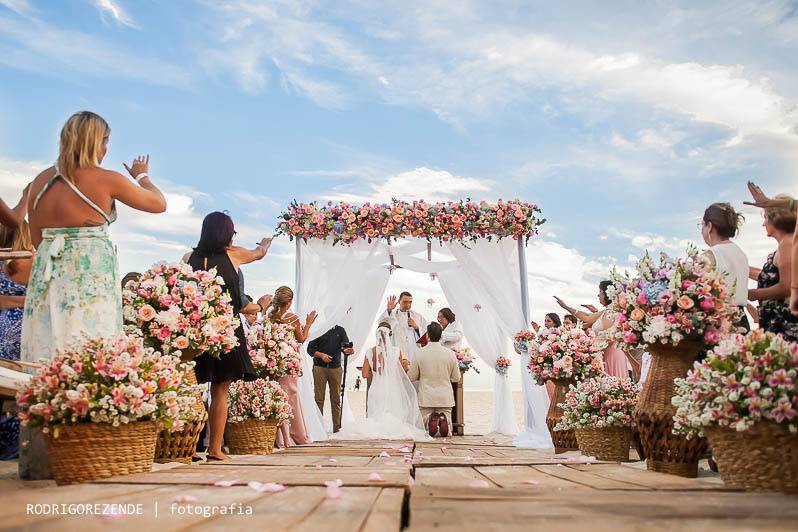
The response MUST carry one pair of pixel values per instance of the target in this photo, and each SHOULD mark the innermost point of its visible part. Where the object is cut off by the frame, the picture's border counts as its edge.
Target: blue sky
(621, 120)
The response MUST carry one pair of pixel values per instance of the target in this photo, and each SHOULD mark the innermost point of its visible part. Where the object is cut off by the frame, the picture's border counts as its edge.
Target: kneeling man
(436, 368)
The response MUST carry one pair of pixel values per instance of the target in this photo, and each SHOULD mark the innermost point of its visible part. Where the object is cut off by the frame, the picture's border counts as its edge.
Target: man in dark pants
(326, 351)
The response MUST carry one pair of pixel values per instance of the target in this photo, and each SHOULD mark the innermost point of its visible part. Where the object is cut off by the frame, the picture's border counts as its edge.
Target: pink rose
(685, 303)
(146, 313)
(707, 303)
(181, 342)
(642, 299)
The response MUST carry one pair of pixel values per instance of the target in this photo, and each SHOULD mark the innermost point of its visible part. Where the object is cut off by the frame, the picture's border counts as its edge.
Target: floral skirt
(74, 292)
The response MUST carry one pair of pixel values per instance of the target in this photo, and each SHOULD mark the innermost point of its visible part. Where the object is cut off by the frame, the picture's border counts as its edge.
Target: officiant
(407, 325)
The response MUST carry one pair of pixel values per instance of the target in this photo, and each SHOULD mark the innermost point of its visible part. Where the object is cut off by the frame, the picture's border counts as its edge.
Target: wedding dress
(393, 411)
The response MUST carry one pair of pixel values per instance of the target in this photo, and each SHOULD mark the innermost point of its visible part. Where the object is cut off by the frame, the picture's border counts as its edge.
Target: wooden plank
(648, 479)
(282, 459)
(450, 477)
(386, 513)
(395, 476)
(518, 477)
(586, 478)
(340, 515)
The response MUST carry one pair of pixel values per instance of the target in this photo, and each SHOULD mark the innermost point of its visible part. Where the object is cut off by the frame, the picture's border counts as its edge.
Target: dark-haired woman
(452, 336)
(719, 225)
(615, 360)
(773, 280)
(215, 250)
(550, 321)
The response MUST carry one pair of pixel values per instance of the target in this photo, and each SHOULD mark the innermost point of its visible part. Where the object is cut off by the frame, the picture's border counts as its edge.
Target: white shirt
(733, 264)
(453, 336)
(405, 336)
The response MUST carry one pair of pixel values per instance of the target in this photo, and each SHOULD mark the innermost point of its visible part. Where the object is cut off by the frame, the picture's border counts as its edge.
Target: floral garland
(259, 399)
(603, 401)
(175, 308)
(503, 365)
(274, 350)
(447, 222)
(746, 379)
(670, 300)
(522, 339)
(114, 380)
(561, 353)
(466, 359)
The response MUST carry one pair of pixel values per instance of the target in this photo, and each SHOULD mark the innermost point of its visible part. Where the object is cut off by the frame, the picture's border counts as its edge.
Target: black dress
(235, 365)
(774, 314)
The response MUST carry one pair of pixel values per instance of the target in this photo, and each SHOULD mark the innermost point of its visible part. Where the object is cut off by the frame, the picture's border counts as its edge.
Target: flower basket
(91, 451)
(666, 452)
(251, 436)
(605, 443)
(180, 446)
(564, 440)
(763, 457)
(274, 351)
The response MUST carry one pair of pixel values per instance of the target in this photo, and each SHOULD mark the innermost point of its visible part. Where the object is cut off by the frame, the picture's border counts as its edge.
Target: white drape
(535, 434)
(345, 285)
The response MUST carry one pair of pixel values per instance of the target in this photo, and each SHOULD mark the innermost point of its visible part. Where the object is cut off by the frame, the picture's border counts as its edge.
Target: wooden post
(458, 415)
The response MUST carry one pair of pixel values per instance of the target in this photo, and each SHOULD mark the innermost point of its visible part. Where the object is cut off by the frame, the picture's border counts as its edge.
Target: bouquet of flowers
(259, 399)
(107, 380)
(744, 380)
(522, 339)
(175, 308)
(274, 350)
(603, 401)
(502, 365)
(466, 359)
(670, 300)
(450, 221)
(561, 353)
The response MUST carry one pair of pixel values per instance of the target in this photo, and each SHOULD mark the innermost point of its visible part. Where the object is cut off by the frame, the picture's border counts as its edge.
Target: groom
(406, 324)
(436, 368)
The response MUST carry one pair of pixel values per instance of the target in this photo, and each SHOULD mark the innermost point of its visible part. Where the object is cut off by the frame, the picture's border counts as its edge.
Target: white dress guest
(452, 331)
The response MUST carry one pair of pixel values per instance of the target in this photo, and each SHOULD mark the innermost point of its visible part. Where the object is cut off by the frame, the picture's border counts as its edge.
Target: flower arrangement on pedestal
(522, 340)
(671, 299)
(101, 388)
(560, 353)
(254, 411)
(503, 365)
(451, 221)
(274, 350)
(744, 397)
(175, 308)
(466, 360)
(599, 410)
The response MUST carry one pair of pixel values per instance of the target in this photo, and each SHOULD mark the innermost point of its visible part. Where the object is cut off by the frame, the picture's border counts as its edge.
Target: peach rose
(181, 342)
(637, 314)
(146, 313)
(685, 303)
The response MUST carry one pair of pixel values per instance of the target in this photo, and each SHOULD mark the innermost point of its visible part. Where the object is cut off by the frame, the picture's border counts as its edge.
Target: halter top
(109, 218)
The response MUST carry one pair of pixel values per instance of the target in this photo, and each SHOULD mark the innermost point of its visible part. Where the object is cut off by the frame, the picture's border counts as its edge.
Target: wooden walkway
(468, 483)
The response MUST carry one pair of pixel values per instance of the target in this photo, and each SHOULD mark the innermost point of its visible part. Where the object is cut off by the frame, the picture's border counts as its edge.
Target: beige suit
(436, 368)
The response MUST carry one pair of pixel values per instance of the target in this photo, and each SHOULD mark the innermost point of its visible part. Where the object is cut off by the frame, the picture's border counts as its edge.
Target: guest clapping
(550, 321)
(773, 280)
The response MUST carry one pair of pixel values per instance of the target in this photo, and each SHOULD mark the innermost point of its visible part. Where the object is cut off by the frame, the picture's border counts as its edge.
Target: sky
(622, 120)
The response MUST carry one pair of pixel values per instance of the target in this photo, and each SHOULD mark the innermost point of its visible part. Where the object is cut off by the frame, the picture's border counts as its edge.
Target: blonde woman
(74, 287)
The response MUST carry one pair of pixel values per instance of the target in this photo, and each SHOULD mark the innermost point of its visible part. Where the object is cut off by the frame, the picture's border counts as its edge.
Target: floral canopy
(449, 221)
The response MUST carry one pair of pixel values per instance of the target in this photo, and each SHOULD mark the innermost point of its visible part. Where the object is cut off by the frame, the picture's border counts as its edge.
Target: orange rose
(685, 303)
(637, 314)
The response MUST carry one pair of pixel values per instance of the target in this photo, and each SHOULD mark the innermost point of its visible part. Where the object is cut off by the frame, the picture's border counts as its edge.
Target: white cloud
(419, 183)
(114, 9)
(21, 7)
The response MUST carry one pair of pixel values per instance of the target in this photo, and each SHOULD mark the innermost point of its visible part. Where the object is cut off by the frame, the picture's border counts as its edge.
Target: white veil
(392, 401)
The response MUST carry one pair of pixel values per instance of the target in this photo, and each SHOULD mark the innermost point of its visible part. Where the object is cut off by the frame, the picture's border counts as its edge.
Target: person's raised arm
(587, 318)
(242, 256)
(142, 195)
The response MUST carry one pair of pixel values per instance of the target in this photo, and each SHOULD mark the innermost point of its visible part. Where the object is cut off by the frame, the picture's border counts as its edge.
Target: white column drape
(345, 285)
(535, 434)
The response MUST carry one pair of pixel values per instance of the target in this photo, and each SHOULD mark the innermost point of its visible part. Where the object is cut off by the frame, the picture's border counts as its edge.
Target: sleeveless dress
(614, 358)
(295, 432)
(10, 333)
(235, 365)
(774, 314)
(73, 293)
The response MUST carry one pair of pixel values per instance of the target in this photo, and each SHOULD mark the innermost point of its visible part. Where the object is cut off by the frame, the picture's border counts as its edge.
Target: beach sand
(478, 408)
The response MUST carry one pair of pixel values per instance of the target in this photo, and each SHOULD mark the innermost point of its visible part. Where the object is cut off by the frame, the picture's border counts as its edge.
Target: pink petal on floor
(407, 459)
(383, 454)
(479, 484)
(226, 483)
(375, 477)
(469, 458)
(337, 482)
(184, 499)
(404, 450)
(333, 460)
(444, 448)
(266, 487)
(531, 482)
(318, 466)
(334, 490)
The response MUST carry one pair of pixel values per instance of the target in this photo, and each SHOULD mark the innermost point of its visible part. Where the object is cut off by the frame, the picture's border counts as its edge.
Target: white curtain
(345, 285)
(535, 434)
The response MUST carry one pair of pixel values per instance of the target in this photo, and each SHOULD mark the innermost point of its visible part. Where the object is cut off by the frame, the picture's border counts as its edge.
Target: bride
(393, 411)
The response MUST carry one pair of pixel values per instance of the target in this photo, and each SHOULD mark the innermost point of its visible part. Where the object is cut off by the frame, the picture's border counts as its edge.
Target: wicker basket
(763, 458)
(564, 440)
(606, 443)
(90, 451)
(251, 436)
(181, 446)
(666, 452)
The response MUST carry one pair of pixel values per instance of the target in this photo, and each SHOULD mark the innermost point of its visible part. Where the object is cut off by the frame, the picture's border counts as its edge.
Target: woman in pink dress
(295, 433)
(615, 359)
